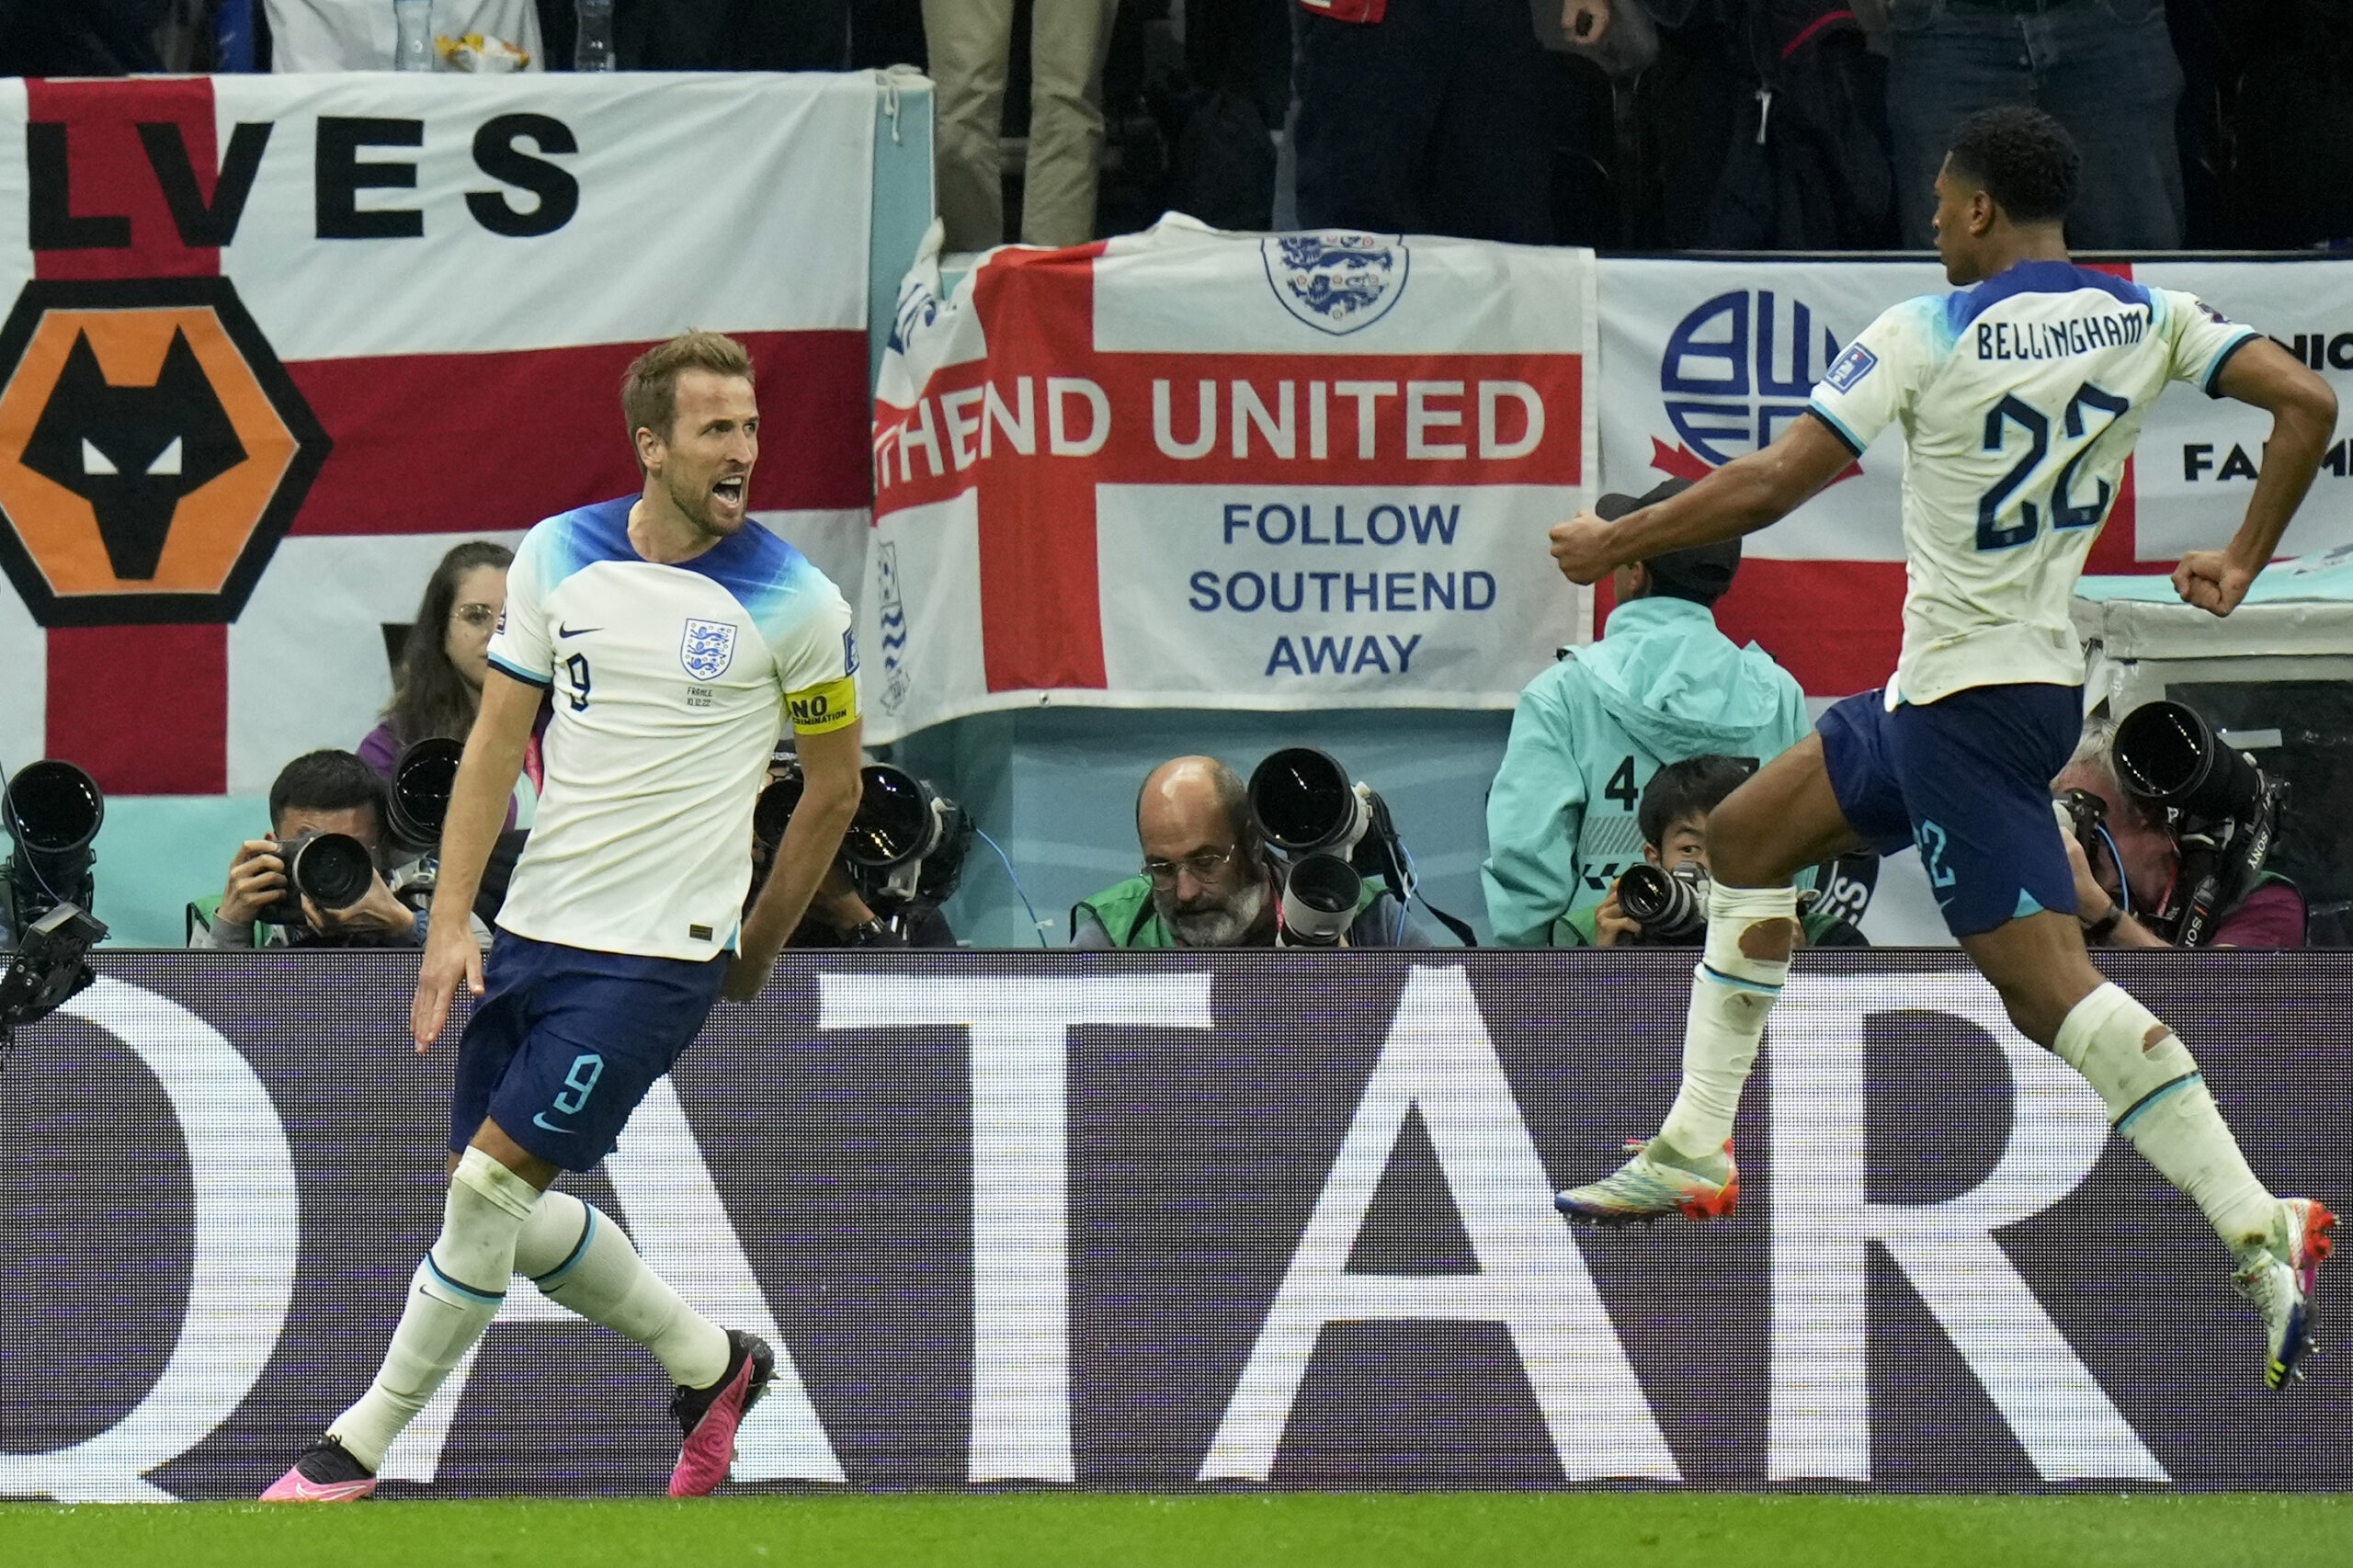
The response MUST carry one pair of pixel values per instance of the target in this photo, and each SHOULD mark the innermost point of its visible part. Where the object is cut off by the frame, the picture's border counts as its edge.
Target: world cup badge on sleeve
(709, 648)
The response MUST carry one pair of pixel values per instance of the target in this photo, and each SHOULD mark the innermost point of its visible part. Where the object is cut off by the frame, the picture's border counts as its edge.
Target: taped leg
(2157, 1099)
(1741, 967)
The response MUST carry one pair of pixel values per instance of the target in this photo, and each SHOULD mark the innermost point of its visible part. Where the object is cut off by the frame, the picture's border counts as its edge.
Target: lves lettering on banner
(350, 155)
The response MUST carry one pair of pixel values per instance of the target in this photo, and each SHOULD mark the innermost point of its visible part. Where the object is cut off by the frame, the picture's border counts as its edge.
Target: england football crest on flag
(1337, 281)
(709, 648)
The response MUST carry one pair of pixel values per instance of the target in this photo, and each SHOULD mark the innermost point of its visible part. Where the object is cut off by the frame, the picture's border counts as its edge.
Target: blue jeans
(2102, 68)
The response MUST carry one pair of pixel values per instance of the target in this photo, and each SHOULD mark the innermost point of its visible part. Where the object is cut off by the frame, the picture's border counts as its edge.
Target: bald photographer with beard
(1209, 879)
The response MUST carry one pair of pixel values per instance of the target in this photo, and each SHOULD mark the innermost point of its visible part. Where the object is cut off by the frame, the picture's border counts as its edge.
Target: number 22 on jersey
(2089, 416)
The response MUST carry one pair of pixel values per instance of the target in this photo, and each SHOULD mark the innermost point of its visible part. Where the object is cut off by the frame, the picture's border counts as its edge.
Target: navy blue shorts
(566, 1042)
(1968, 780)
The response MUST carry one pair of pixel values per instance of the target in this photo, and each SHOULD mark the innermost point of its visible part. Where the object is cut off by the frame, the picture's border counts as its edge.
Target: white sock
(454, 1295)
(580, 1260)
(1732, 993)
(2158, 1101)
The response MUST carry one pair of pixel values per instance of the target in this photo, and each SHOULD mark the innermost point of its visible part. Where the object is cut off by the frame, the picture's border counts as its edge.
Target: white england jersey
(669, 684)
(2021, 399)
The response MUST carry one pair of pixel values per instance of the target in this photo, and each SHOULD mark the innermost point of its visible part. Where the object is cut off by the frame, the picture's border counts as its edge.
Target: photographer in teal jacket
(1661, 684)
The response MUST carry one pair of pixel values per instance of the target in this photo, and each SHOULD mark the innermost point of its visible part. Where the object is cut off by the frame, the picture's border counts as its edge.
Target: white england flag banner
(1190, 467)
(1702, 361)
(277, 342)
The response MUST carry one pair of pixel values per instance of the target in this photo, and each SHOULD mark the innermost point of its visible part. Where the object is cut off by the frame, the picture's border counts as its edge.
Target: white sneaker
(2278, 1277)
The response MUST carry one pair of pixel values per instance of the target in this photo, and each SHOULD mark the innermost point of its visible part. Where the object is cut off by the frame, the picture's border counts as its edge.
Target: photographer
(2128, 861)
(438, 688)
(320, 792)
(1209, 879)
(859, 905)
(1587, 733)
(841, 916)
(1673, 818)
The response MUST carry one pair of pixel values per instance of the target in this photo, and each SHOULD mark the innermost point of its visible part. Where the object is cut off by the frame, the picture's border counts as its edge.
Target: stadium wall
(1252, 1220)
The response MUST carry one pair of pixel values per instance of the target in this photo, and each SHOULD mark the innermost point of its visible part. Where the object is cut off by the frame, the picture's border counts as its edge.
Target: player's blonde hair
(649, 389)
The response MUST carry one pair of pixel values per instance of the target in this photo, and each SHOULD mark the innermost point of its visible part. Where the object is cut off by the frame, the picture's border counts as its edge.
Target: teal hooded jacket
(1662, 684)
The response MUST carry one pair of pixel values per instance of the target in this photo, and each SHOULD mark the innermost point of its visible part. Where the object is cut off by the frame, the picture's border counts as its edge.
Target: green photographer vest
(1125, 910)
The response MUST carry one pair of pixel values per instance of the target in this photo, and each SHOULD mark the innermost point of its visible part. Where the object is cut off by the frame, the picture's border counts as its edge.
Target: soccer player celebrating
(673, 633)
(2019, 397)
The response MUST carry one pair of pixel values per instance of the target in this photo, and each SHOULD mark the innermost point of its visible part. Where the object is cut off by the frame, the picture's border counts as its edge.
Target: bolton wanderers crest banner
(270, 344)
(1194, 469)
(1704, 360)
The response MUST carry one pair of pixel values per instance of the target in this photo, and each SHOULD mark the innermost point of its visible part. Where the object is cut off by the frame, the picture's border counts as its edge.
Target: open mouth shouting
(728, 493)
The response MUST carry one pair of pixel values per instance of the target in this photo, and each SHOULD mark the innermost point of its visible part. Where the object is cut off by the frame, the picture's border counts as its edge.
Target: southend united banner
(1163, 1220)
(272, 343)
(1704, 360)
(1188, 468)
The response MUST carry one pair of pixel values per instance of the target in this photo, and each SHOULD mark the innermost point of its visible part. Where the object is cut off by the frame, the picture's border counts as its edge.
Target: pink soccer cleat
(326, 1473)
(708, 1417)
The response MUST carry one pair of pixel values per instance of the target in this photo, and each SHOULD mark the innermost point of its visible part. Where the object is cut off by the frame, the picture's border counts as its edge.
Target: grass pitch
(1295, 1530)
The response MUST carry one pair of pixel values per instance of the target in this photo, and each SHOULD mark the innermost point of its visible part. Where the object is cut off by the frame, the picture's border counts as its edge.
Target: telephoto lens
(1304, 801)
(53, 812)
(773, 812)
(895, 822)
(422, 780)
(1320, 902)
(1669, 907)
(2165, 755)
(333, 870)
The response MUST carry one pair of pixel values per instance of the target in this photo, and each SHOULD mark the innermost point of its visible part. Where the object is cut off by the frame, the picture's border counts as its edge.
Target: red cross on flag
(1194, 469)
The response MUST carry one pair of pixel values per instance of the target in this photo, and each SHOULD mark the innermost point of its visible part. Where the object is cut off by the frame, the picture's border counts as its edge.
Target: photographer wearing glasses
(2137, 859)
(326, 830)
(1207, 879)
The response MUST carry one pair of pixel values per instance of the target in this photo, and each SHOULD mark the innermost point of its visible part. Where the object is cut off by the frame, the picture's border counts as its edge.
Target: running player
(2019, 397)
(673, 633)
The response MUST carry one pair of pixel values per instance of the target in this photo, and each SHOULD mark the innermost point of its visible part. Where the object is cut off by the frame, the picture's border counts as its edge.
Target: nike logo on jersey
(541, 1120)
(563, 630)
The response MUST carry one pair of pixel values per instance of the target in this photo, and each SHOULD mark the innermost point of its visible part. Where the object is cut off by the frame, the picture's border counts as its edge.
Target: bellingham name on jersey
(2019, 400)
(2050, 340)
(670, 685)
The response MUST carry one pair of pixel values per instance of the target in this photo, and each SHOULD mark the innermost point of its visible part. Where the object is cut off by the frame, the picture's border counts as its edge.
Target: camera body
(333, 870)
(1670, 906)
(48, 968)
(2220, 809)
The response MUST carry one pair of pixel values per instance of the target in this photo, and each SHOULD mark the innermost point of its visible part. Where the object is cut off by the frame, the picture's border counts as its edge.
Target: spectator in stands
(1673, 818)
(322, 792)
(2142, 869)
(1209, 879)
(1431, 116)
(2104, 69)
(968, 42)
(1662, 684)
(438, 688)
(80, 38)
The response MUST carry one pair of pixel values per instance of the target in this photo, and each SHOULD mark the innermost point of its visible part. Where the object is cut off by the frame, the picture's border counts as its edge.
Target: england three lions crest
(1337, 281)
(709, 648)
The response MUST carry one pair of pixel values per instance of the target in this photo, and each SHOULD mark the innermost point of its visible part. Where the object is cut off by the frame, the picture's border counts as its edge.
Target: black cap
(1699, 573)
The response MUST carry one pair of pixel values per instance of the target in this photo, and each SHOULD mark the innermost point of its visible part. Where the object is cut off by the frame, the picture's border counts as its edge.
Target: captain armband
(822, 708)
